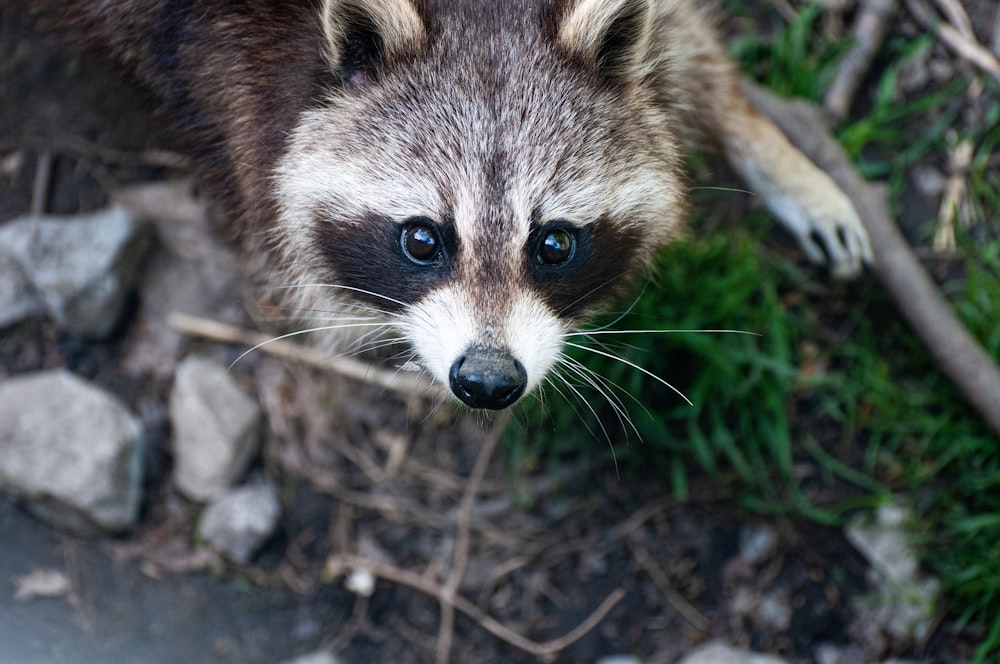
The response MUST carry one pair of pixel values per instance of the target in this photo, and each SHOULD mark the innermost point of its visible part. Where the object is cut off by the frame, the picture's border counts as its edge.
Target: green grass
(836, 380)
(737, 292)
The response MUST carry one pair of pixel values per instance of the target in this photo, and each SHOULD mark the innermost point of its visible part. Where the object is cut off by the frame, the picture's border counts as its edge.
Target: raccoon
(474, 178)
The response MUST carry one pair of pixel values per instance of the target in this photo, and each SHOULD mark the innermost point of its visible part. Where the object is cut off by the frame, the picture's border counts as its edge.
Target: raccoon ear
(362, 35)
(613, 35)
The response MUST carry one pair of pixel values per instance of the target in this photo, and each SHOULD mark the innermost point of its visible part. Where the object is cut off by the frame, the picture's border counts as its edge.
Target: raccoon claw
(830, 233)
(844, 247)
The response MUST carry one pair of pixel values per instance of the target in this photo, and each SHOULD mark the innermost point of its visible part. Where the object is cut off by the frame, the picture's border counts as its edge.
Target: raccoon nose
(486, 378)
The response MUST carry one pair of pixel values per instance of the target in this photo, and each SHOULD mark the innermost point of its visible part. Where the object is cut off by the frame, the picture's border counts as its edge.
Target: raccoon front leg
(804, 198)
(706, 88)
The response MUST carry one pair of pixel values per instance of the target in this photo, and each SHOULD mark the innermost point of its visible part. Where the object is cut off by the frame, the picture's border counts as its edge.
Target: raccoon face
(481, 178)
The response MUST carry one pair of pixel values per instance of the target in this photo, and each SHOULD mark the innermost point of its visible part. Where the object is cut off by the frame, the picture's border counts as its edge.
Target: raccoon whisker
(589, 293)
(329, 318)
(735, 190)
(373, 345)
(353, 289)
(625, 313)
(595, 380)
(607, 436)
(610, 385)
(297, 333)
(635, 366)
(551, 381)
(352, 309)
(602, 331)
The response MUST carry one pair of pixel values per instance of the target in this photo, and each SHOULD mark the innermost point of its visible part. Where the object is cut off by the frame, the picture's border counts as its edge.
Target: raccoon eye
(557, 246)
(420, 241)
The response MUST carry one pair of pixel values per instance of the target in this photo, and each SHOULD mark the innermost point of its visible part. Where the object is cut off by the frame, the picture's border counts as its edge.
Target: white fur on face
(444, 326)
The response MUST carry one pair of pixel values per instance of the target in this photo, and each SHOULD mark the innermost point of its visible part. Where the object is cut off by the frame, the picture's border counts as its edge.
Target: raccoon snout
(488, 378)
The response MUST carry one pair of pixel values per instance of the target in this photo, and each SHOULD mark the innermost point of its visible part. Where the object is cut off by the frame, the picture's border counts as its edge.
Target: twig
(959, 160)
(995, 39)
(662, 582)
(868, 33)
(956, 352)
(78, 146)
(955, 13)
(40, 186)
(461, 558)
(968, 48)
(627, 531)
(345, 366)
(424, 585)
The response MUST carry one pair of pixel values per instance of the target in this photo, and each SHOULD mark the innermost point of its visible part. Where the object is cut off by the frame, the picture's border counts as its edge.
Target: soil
(367, 472)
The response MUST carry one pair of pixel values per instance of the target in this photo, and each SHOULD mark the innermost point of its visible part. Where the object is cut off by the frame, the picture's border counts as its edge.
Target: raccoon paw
(828, 229)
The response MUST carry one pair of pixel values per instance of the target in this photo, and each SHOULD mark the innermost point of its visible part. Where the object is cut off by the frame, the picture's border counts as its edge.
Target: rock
(236, 523)
(192, 271)
(906, 599)
(16, 299)
(81, 268)
(215, 428)
(361, 582)
(758, 543)
(718, 653)
(619, 659)
(71, 451)
(321, 657)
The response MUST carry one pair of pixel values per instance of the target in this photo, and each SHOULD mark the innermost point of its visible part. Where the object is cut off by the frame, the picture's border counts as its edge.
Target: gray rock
(758, 543)
(81, 268)
(215, 428)
(16, 299)
(905, 605)
(71, 451)
(237, 522)
(619, 659)
(718, 653)
(321, 657)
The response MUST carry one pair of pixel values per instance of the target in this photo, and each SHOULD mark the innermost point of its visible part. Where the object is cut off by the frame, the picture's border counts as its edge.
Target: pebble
(717, 653)
(215, 428)
(71, 452)
(16, 299)
(321, 657)
(906, 599)
(758, 543)
(236, 523)
(619, 659)
(81, 268)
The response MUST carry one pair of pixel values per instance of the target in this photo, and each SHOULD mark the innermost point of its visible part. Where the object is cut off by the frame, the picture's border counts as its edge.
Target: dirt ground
(364, 472)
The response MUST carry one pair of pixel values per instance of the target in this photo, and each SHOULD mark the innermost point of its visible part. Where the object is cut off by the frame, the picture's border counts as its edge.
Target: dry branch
(916, 296)
(345, 366)
(966, 47)
(424, 585)
(868, 33)
(462, 540)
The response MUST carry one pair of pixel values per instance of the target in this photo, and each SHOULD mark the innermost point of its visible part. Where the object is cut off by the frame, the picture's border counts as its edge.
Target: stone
(73, 453)
(320, 657)
(81, 268)
(215, 428)
(718, 653)
(758, 543)
(905, 604)
(236, 523)
(17, 301)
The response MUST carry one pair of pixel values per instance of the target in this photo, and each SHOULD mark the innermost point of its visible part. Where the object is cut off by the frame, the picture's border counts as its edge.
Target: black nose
(488, 378)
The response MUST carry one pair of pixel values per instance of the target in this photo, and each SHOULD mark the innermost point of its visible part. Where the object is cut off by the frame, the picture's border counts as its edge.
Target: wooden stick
(956, 352)
(868, 33)
(345, 366)
(967, 48)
